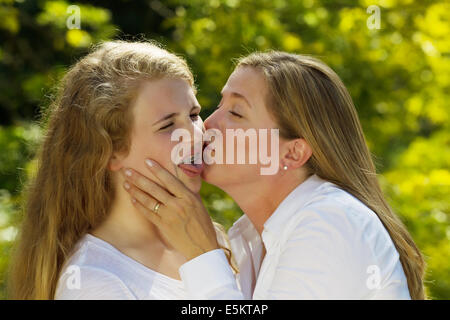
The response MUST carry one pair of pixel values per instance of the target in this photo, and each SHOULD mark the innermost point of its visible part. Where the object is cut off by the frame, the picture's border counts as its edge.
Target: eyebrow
(173, 114)
(239, 96)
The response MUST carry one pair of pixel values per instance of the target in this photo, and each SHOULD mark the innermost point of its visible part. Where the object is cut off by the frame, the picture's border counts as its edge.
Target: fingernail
(126, 185)
(149, 162)
(128, 172)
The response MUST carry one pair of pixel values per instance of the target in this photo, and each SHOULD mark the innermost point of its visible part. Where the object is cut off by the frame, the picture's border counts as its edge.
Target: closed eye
(194, 117)
(166, 126)
(235, 114)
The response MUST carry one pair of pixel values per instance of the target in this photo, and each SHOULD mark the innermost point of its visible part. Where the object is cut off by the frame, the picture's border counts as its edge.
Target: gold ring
(157, 205)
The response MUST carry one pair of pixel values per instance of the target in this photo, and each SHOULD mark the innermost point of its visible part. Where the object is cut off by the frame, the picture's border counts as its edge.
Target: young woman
(81, 236)
(320, 228)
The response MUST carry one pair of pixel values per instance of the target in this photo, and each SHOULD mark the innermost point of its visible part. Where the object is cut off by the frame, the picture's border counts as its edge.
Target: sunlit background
(398, 73)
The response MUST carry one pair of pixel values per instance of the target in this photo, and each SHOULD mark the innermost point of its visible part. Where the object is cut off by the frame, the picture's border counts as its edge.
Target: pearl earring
(285, 168)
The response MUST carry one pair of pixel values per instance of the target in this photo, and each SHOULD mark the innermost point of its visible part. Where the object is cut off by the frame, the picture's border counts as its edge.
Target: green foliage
(398, 76)
(221, 207)
(419, 186)
(17, 144)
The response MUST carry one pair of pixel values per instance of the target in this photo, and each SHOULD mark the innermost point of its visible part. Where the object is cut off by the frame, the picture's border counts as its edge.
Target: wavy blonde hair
(308, 100)
(72, 191)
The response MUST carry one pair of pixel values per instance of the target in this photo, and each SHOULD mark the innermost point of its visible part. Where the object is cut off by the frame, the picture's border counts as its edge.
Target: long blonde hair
(72, 191)
(308, 100)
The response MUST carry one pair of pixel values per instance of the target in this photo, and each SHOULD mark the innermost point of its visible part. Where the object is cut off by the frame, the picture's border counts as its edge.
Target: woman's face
(242, 106)
(161, 107)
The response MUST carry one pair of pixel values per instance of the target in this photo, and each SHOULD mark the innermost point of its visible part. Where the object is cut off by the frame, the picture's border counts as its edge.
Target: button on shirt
(321, 243)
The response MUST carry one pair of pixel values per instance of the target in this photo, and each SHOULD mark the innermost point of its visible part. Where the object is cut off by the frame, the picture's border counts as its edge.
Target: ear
(115, 163)
(295, 153)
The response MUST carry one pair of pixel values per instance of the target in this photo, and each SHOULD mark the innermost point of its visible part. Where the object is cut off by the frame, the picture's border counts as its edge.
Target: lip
(192, 170)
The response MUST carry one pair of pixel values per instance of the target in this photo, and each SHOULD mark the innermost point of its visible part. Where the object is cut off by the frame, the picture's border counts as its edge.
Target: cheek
(143, 146)
(229, 174)
(225, 174)
(161, 149)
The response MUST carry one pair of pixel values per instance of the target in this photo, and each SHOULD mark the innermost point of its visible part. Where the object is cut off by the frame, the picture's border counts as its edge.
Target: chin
(214, 175)
(227, 177)
(206, 174)
(193, 184)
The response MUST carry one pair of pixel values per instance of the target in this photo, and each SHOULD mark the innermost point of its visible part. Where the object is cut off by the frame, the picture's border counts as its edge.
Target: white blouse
(97, 270)
(321, 243)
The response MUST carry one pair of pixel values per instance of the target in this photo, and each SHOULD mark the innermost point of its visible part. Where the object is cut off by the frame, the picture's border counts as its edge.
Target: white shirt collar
(324, 256)
(296, 199)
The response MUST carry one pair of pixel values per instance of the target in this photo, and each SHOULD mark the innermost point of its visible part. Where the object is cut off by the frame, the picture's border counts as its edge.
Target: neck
(260, 199)
(125, 226)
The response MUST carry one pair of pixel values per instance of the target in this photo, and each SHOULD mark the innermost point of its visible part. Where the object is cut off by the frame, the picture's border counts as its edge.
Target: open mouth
(193, 165)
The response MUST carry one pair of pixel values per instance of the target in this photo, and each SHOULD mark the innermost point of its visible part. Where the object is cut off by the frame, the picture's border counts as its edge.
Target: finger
(150, 215)
(146, 185)
(170, 182)
(146, 200)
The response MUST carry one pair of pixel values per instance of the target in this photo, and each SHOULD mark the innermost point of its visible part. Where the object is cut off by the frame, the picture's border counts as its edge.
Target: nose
(212, 122)
(196, 130)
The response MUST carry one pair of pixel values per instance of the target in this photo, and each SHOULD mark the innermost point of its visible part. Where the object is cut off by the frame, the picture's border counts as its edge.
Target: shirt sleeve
(89, 283)
(323, 256)
(313, 264)
(209, 276)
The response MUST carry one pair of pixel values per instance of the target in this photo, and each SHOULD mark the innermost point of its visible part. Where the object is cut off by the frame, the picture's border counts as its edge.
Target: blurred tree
(398, 76)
